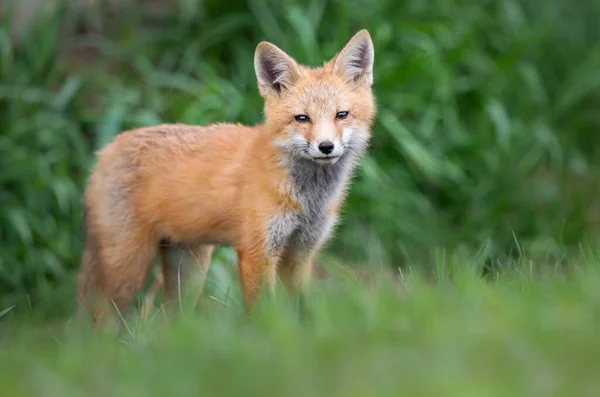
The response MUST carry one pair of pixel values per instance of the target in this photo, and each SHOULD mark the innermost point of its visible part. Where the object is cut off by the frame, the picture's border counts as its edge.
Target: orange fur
(229, 184)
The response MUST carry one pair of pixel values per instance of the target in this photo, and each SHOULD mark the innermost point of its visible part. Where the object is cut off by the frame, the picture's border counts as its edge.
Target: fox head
(324, 113)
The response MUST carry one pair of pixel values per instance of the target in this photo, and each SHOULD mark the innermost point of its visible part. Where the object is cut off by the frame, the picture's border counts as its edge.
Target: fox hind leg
(112, 274)
(88, 292)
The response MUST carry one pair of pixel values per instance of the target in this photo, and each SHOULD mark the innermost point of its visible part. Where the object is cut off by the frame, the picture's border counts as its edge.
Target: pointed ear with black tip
(275, 70)
(354, 62)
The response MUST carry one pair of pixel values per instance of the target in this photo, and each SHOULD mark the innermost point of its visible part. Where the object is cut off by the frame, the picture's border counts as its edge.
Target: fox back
(272, 191)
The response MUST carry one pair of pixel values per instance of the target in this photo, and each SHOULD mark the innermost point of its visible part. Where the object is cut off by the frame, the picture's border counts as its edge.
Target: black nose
(326, 147)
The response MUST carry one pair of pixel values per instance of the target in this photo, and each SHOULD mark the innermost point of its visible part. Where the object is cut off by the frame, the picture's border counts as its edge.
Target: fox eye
(341, 115)
(302, 118)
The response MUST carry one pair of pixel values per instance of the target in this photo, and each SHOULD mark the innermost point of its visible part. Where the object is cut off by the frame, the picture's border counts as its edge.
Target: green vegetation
(523, 334)
(485, 134)
(477, 196)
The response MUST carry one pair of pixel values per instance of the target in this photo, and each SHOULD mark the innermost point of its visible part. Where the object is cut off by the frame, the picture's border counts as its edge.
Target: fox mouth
(306, 152)
(326, 159)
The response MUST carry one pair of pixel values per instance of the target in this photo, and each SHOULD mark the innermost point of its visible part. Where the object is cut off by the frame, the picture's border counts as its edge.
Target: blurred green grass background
(485, 141)
(465, 263)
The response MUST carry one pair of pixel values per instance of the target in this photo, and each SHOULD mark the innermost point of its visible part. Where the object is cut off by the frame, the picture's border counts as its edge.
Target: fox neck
(315, 185)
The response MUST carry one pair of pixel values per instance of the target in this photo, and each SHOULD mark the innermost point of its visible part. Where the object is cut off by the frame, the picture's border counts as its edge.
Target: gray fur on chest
(314, 187)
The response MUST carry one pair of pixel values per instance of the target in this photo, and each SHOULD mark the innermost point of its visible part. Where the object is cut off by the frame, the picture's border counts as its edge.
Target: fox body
(271, 191)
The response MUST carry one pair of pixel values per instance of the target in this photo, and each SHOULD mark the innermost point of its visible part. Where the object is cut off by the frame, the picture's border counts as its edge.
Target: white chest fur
(315, 187)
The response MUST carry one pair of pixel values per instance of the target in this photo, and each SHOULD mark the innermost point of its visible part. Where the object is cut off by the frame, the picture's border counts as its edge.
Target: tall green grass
(530, 331)
(485, 141)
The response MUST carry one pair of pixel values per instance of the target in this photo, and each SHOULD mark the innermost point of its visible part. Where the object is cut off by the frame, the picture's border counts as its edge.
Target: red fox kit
(271, 191)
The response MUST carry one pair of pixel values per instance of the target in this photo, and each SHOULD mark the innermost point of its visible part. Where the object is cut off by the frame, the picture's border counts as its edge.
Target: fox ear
(275, 70)
(354, 62)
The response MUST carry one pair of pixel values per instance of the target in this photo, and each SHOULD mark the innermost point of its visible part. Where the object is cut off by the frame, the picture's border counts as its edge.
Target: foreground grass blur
(525, 332)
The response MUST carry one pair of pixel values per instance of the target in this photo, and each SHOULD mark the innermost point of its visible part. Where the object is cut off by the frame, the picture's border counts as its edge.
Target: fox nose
(326, 147)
